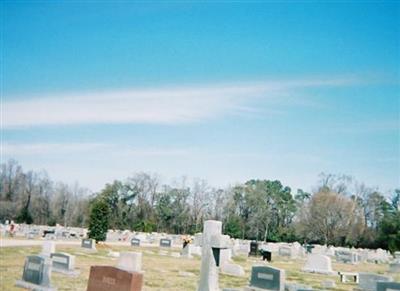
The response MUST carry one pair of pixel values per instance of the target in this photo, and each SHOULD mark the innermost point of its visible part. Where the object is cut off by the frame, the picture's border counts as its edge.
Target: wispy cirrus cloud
(158, 106)
(31, 149)
(17, 149)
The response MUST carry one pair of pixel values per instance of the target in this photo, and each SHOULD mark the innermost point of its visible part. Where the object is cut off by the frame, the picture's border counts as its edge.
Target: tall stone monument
(212, 242)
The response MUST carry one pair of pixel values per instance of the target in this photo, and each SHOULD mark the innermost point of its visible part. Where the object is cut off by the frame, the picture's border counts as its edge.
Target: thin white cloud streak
(9, 149)
(19, 149)
(35, 149)
(159, 106)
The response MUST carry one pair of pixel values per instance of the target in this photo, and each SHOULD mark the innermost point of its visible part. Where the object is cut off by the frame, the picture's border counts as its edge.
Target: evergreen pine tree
(99, 220)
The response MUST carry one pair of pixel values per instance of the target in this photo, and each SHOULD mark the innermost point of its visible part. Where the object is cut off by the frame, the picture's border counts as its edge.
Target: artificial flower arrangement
(186, 240)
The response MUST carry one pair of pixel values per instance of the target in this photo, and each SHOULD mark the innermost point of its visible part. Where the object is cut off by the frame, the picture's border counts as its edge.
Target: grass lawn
(164, 272)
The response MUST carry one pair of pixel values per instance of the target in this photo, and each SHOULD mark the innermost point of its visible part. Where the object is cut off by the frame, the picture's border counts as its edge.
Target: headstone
(266, 255)
(232, 269)
(378, 256)
(165, 243)
(198, 238)
(130, 261)
(347, 257)
(190, 250)
(267, 278)
(387, 286)
(318, 264)
(285, 251)
(367, 281)
(106, 278)
(348, 277)
(253, 249)
(88, 243)
(308, 248)
(48, 247)
(64, 263)
(296, 250)
(36, 274)
(225, 256)
(186, 252)
(212, 243)
(30, 235)
(48, 233)
(50, 236)
(394, 267)
(135, 242)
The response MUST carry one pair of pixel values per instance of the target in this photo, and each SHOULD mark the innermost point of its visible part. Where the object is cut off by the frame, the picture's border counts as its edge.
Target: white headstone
(232, 269)
(198, 238)
(130, 261)
(48, 247)
(318, 264)
(225, 256)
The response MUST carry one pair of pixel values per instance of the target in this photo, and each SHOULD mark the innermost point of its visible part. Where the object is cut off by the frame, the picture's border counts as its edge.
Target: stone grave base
(71, 273)
(319, 271)
(31, 286)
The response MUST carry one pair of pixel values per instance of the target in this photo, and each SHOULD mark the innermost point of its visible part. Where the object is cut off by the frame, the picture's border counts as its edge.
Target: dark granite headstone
(135, 242)
(33, 270)
(87, 243)
(253, 249)
(165, 242)
(387, 286)
(36, 274)
(107, 278)
(266, 277)
(46, 232)
(266, 255)
(309, 248)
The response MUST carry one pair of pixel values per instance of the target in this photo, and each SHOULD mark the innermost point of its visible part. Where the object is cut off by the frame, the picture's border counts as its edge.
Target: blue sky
(221, 91)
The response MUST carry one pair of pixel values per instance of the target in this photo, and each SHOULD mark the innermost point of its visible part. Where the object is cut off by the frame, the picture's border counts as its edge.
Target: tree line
(339, 211)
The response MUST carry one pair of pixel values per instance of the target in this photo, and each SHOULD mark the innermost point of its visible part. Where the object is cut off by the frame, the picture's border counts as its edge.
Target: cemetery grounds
(169, 273)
